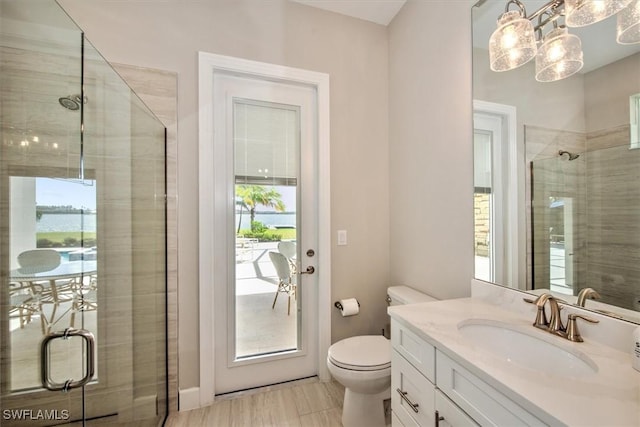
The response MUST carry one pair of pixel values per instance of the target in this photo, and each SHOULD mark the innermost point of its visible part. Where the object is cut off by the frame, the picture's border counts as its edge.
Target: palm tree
(254, 195)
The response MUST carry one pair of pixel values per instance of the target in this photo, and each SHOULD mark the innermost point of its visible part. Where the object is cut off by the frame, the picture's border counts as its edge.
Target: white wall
(167, 35)
(430, 148)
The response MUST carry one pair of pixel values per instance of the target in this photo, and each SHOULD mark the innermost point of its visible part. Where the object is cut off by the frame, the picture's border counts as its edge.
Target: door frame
(209, 64)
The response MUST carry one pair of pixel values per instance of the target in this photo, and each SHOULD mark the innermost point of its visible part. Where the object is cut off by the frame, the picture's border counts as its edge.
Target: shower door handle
(90, 345)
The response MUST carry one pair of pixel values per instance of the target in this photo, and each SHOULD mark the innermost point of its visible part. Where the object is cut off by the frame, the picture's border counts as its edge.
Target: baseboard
(189, 399)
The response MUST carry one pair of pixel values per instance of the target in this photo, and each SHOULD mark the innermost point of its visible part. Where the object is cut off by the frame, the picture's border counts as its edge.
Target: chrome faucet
(587, 293)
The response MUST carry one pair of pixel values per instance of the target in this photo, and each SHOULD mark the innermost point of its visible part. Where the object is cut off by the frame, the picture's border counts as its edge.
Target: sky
(63, 192)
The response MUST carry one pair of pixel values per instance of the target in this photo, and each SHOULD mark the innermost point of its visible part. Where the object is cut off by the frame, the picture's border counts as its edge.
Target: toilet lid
(362, 353)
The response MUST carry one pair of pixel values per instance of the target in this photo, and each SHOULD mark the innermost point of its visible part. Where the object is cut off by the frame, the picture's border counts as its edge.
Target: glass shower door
(82, 231)
(557, 216)
(124, 149)
(39, 140)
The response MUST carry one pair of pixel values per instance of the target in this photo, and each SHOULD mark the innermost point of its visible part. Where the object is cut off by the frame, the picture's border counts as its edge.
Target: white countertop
(610, 397)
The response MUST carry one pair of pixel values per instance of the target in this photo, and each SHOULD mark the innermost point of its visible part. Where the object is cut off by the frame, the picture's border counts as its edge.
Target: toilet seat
(361, 353)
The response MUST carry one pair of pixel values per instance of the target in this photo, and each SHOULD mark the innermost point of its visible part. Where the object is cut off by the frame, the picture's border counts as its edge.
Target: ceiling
(378, 11)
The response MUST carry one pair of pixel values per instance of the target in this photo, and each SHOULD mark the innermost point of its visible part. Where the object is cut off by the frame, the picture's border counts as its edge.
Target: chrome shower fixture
(72, 102)
(572, 156)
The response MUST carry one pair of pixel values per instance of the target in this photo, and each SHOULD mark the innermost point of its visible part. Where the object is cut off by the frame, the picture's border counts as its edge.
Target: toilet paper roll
(350, 307)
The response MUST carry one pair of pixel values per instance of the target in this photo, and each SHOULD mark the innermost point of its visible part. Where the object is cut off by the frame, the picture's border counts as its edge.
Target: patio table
(73, 270)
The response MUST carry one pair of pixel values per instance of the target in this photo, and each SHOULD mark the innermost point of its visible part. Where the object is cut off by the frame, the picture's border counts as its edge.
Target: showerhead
(71, 102)
(572, 156)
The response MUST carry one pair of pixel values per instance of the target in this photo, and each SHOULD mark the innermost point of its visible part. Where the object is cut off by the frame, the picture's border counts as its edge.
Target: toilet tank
(400, 295)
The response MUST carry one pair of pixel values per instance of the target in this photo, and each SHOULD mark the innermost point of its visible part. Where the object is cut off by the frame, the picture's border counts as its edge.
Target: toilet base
(364, 410)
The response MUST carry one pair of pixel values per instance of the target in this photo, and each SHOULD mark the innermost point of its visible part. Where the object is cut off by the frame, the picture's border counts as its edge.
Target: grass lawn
(58, 238)
(283, 233)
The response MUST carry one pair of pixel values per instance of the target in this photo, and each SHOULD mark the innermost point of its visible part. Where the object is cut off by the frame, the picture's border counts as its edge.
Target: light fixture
(559, 56)
(628, 27)
(513, 43)
(580, 13)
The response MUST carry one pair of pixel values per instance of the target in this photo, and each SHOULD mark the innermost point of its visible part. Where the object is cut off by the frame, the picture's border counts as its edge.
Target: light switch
(342, 237)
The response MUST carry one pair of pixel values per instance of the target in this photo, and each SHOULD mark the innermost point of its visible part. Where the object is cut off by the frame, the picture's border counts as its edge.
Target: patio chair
(38, 260)
(23, 303)
(288, 249)
(42, 260)
(286, 280)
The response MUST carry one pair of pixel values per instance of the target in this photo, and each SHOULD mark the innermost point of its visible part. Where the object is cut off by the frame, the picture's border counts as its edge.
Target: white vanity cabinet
(429, 389)
(415, 400)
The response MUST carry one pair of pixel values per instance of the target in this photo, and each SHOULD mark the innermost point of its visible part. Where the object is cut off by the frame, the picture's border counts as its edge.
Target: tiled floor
(305, 403)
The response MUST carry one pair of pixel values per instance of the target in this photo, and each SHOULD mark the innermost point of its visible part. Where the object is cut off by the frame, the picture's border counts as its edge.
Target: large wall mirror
(557, 151)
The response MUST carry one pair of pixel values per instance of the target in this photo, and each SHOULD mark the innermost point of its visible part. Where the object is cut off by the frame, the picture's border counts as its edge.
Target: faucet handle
(573, 334)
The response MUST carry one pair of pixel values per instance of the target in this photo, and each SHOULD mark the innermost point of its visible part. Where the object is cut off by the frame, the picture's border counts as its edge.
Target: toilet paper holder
(339, 306)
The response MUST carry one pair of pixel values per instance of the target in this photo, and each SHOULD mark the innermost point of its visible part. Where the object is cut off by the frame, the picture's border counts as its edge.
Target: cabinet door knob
(403, 395)
(438, 418)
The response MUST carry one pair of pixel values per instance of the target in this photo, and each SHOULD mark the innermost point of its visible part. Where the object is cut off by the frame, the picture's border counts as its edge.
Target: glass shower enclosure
(82, 232)
(584, 220)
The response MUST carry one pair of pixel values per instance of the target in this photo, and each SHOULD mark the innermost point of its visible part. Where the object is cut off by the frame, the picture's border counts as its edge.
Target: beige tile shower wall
(108, 151)
(613, 238)
(158, 90)
(30, 109)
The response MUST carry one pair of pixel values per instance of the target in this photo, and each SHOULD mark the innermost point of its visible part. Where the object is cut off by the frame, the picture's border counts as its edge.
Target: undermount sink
(527, 347)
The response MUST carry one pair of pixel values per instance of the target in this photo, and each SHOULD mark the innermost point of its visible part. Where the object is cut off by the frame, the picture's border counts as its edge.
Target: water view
(66, 222)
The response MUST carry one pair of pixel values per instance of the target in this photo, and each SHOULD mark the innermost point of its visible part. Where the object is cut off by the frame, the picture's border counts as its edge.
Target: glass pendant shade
(559, 56)
(629, 24)
(580, 13)
(513, 43)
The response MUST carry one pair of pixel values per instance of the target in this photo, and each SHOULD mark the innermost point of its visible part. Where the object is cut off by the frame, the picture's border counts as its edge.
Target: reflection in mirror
(569, 172)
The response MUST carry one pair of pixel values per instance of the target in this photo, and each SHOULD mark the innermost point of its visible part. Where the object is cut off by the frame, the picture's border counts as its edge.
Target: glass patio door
(266, 311)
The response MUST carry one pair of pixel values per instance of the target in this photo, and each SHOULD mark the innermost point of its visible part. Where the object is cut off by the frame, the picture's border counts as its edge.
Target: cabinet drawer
(450, 415)
(416, 350)
(417, 390)
(479, 400)
(395, 421)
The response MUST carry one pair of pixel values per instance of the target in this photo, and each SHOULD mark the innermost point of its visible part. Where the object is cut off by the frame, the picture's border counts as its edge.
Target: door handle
(309, 270)
(90, 344)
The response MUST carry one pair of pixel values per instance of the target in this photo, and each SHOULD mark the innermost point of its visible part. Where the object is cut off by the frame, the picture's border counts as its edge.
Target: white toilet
(362, 364)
